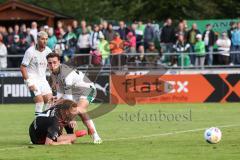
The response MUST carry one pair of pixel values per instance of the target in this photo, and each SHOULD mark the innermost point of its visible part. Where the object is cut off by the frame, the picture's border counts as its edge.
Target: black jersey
(48, 124)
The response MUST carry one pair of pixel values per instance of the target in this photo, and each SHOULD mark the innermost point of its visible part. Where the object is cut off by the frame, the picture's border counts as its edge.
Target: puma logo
(103, 89)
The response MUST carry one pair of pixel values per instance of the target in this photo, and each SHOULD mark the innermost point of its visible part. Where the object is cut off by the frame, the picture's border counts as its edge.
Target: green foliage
(129, 10)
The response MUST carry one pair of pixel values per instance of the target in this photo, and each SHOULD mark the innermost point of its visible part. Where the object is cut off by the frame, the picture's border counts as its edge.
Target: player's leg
(83, 105)
(37, 98)
(47, 100)
(39, 104)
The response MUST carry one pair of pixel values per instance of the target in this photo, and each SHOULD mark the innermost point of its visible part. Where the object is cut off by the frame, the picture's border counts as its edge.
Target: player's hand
(52, 101)
(72, 124)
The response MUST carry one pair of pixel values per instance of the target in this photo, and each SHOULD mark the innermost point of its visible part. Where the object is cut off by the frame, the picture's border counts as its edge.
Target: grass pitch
(158, 131)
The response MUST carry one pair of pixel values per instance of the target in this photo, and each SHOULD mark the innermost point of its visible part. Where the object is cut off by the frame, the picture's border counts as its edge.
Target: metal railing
(124, 61)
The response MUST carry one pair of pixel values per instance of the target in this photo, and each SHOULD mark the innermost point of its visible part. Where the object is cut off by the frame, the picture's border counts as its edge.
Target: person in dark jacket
(123, 30)
(168, 36)
(148, 34)
(209, 39)
(191, 39)
(167, 39)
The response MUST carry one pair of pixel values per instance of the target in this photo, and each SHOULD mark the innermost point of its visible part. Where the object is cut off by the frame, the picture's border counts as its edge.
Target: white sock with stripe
(39, 108)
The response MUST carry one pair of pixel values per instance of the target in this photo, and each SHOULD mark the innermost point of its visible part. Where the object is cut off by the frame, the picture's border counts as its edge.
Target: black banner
(13, 90)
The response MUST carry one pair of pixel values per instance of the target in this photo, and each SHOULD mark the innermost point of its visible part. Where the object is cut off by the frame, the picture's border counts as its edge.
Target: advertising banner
(197, 88)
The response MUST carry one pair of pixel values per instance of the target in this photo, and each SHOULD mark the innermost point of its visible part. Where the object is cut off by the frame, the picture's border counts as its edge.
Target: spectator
(23, 31)
(151, 59)
(167, 39)
(209, 40)
(58, 29)
(181, 47)
(109, 35)
(148, 34)
(100, 26)
(94, 37)
(70, 46)
(105, 27)
(84, 42)
(167, 36)
(230, 32)
(191, 39)
(232, 28)
(16, 30)
(45, 28)
(61, 43)
(89, 29)
(133, 28)
(29, 38)
(83, 45)
(139, 33)
(104, 50)
(123, 30)
(200, 51)
(5, 35)
(16, 49)
(224, 45)
(180, 31)
(117, 49)
(84, 26)
(24, 45)
(131, 43)
(236, 45)
(34, 31)
(76, 28)
(3, 53)
(52, 40)
(10, 37)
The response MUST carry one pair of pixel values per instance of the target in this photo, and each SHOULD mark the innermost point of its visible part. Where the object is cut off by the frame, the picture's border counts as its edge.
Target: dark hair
(52, 55)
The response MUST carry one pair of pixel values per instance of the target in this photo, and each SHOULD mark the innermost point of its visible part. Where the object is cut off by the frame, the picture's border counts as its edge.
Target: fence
(128, 61)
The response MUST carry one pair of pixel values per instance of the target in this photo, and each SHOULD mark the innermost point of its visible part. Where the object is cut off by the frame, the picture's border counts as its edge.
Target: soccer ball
(213, 135)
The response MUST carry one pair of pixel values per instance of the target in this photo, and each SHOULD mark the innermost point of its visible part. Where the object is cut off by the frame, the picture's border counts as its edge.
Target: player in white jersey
(33, 69)
(74, 85)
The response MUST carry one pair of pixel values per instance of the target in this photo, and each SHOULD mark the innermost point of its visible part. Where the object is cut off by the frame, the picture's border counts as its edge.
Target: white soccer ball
(213, 135)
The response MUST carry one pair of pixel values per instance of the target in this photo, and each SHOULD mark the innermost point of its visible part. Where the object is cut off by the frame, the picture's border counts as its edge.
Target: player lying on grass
(74, 85)
(48, 125)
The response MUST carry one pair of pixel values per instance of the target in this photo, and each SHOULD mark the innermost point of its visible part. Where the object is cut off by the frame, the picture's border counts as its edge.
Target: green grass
(15, 120)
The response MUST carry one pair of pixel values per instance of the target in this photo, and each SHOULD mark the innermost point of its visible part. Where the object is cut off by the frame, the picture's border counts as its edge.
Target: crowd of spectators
(137, 43)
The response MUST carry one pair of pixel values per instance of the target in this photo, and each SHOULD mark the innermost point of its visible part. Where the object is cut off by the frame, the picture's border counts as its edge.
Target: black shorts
(44, 127)
(35, 139)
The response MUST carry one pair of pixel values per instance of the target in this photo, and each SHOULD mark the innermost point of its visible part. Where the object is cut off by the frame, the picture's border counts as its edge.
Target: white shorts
(42, 87)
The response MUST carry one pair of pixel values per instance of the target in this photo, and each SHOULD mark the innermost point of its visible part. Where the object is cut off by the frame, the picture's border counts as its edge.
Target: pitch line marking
(168, 133)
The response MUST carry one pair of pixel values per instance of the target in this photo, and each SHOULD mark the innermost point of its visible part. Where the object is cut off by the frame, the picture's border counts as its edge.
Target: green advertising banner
(219, 26)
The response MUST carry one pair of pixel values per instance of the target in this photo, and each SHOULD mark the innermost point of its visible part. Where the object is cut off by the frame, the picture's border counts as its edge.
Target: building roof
(18, 10)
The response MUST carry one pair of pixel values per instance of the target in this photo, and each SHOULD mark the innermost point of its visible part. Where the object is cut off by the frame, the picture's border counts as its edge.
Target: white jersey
(72, 82)
(36, 62)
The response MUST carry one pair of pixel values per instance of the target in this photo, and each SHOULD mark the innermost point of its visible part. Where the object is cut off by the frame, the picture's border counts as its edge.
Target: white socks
(39, 108)
(47, 106)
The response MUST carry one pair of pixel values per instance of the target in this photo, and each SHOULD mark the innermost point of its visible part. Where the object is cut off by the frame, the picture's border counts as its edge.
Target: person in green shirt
(104, 50)
(52, 40)
(199, 51)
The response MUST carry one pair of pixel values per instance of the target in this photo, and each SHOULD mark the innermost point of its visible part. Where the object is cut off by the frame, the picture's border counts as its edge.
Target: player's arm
(23, 68)
(29, 83)
(68, 85)
(59, 142)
